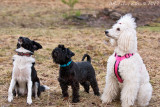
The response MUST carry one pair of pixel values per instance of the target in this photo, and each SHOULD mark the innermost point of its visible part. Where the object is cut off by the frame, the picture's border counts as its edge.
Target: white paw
(37, 98)
(10, 98)
(29, 101)
(16, 95)
(105, 100)
(126, 105)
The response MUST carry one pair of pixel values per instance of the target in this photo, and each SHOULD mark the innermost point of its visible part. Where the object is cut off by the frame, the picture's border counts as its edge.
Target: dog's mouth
(112, 37)
(55, 58)
(108, 36)
(20, 41)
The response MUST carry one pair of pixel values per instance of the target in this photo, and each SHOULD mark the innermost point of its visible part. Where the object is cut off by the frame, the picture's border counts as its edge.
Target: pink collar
(24, 54)
(116, 65)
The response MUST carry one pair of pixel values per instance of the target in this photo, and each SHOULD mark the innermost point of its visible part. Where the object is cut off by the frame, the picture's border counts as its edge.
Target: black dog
(24, 76)
(73, 73)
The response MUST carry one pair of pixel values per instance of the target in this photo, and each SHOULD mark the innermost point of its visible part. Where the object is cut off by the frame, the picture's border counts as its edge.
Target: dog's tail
(88, 58)
(44, 88)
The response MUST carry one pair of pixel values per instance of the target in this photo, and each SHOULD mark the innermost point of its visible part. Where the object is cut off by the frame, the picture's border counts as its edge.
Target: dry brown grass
(79, 40)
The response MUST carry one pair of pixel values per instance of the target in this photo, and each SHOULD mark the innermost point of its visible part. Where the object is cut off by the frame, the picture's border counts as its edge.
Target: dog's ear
(36, 45)
(61, 46)
(128, 41)
(69, 53)
(113, 42)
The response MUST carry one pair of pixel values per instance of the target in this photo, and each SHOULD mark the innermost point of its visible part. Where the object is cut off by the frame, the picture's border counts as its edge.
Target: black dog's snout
(106, 32)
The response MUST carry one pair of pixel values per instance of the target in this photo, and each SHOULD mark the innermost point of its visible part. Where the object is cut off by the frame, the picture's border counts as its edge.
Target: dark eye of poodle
(118, 29)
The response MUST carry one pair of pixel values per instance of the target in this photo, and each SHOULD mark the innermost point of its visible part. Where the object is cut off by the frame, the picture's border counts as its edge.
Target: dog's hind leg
(16, 91)
(94, 86)
(86, 86)
(36, 85)
(144, 94)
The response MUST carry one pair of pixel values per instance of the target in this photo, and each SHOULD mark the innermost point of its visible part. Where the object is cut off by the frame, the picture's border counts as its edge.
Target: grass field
(80, 40)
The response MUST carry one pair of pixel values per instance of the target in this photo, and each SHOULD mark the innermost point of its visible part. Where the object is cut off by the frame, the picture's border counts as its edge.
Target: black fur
(32, 46)
(75, 73)
(28, 44)
(88, 58)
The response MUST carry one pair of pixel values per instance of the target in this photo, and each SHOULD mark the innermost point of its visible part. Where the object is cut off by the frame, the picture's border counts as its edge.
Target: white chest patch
(22, 68)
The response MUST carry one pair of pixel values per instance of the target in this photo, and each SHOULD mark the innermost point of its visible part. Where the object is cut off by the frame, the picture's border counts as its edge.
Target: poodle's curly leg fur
(111, 90)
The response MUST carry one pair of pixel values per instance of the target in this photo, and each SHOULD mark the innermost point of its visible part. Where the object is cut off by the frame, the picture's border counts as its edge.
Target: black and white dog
(24, 76)
(73, 73)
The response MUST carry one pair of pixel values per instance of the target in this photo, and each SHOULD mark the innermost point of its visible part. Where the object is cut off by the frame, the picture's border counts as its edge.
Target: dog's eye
(118, 29)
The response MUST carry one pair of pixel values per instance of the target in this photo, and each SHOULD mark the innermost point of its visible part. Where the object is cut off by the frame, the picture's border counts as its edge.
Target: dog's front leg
(75, 91)
(111, 89)
(29, 95)
(10, 94)
(64, 87)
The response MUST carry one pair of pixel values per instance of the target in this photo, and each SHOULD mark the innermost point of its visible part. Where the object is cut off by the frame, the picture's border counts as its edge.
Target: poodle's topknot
(128, 21)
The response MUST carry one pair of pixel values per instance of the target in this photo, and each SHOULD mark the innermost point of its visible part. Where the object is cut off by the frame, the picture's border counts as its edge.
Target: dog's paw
(29, 101)
(16, 95)
(37, 98)
(75, 100)
(106, 103)
(10, 98)
(105, 100)
(65, 95)
(97, 94)
(126, 105)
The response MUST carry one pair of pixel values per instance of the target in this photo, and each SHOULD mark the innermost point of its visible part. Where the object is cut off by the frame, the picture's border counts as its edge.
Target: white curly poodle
(126, 73)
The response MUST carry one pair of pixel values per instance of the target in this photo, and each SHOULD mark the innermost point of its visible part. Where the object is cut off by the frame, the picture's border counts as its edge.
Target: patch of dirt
(106, 17)
(144, 14)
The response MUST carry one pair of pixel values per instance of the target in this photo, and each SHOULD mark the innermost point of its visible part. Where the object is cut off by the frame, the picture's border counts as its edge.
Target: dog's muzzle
(20, 40)
(106, 33)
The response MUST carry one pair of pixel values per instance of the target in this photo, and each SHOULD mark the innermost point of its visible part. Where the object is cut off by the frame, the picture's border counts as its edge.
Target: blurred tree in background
(71, 4)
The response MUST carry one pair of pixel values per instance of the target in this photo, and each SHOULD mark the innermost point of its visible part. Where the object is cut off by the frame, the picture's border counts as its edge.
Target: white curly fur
(135, 77)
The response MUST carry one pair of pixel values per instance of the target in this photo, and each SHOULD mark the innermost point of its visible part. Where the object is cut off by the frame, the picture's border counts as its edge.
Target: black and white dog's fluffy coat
(74, 73)
(24, 76)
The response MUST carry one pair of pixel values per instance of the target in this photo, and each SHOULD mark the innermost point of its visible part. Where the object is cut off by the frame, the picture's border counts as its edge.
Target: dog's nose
(106, 32)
